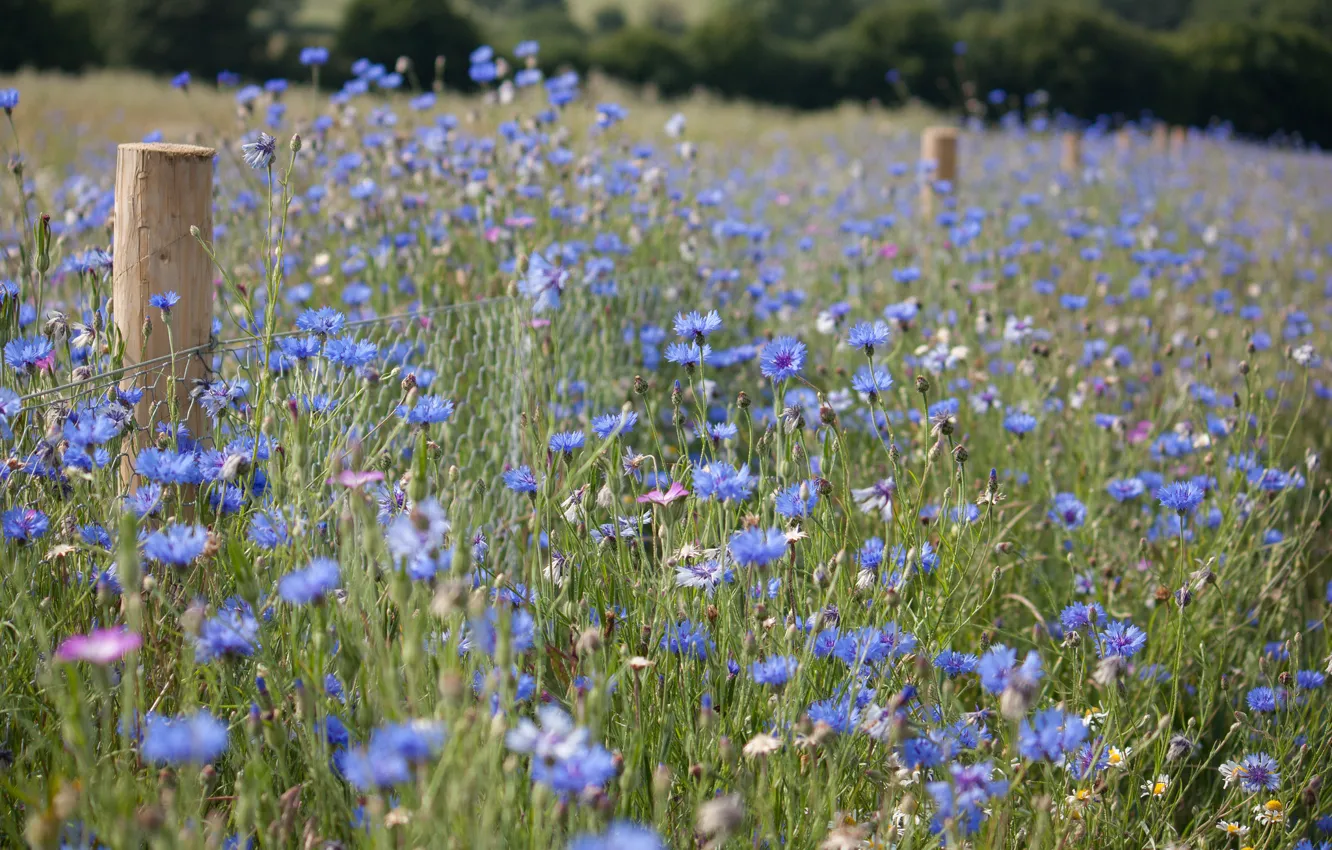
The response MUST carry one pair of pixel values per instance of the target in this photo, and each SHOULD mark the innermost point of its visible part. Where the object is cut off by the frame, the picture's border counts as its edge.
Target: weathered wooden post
(1070, 155)
(939, 146)
(162, 190)
(1124, 141)
(1179, 137)
(1160, 138)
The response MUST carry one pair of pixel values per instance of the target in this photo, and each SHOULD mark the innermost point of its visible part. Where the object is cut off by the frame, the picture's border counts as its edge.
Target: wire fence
(464, 353)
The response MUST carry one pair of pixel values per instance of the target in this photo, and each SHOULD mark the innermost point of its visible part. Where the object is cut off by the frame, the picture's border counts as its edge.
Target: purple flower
(782, 359)
(1258, 772)
(999, 669)
(301, 587)
(621, 835)
(774, 671)
(544, 283)
(232, 633)
(187, 739)
(1122, 639)
(1050, 734)
(1265, 700)
(723, 482)
(758, 548)
(867, 336)
(695, 326)
(685, 638)
(259, 152)
(1068, 512)
(1181, 496)
(100, 646)
(177, 545)
(24, 524)
(164, 301)
(520, 480)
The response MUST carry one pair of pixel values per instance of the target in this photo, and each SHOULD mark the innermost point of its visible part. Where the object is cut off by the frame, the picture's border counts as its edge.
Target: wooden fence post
(162, 190)
(1070, 156)
(1179, 137)
(1160, 138)
(938, 145)
(1124, 141)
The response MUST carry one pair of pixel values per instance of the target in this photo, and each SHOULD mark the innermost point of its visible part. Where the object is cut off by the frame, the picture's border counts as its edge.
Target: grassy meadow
(581, 470)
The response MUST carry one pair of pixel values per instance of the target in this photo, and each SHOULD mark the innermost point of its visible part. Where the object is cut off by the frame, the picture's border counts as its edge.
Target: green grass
(575, 603)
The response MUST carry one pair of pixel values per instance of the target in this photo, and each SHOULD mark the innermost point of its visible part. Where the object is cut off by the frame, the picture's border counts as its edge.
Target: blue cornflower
(9, 100)
(723, 482)
(325, 321)
(776, 670)
(1124, 489)
(964, 800)
(867, 336)
(614, 424)
(869, 645)
(312, 584)
(687, 354)
(621, 834)
(1180, 497)
(146, 501)
(696, 326)
(955, 664)
(1258, 772)
(168, 467)
(1122, 638)
(871, 383)
(430, 410)
(268, 530)
(1081, 615)
(350, 352)
(998, 668)
(1019, 422)
(233, 632)
(544, 283)
(841, 715)
(1050, 734)
(164, 301)
(27, 355)
(758, 548)
(922, 753)
(1068, 512)
(567, 442)
(259, 152)
(95, 535)
(177, 545)
(520, 480)
(586, 767)
(522, 631)
(798, 500)
(1265, 700)
(1310, 680)
(782, 359)
(196, 738)
(416, 539)
(314, 56)
(24, 524)
(686, 638)
(386, 760)
(300, 347)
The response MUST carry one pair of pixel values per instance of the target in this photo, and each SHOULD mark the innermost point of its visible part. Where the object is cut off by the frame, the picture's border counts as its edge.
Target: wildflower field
(578, 472)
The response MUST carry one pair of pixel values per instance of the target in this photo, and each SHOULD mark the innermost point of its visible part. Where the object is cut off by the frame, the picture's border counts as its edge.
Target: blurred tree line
(1258, 64)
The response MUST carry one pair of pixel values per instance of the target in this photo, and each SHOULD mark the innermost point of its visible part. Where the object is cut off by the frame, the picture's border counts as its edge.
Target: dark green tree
(802, 19)
(45, 34)
(383, 30)
(912, 38)
(205, 36)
